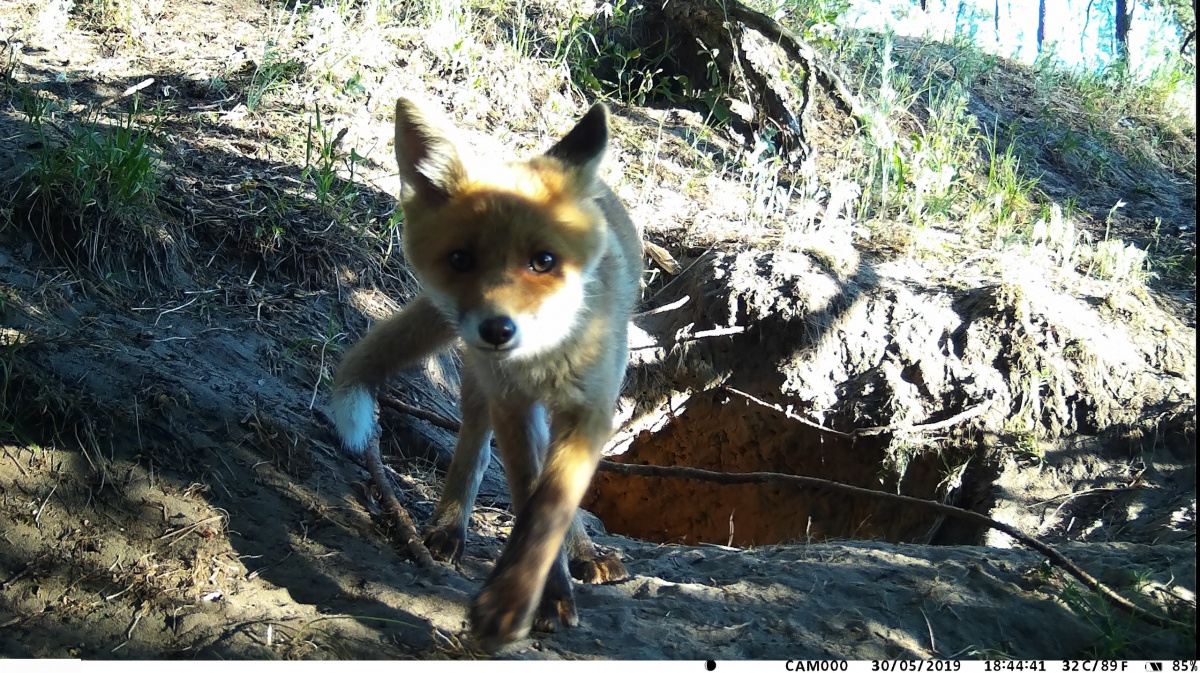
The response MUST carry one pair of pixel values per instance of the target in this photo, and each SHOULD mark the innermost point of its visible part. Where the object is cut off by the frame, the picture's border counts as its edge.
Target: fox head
(506, 252)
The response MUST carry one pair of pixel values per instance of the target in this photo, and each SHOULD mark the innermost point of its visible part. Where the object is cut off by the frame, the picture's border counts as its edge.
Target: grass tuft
(87, 196)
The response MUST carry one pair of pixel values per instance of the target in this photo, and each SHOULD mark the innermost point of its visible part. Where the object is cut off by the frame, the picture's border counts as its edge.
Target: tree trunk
(1124, 20)
(1041, 29)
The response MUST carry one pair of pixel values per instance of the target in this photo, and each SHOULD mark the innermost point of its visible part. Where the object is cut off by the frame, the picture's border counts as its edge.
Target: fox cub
(535, 266)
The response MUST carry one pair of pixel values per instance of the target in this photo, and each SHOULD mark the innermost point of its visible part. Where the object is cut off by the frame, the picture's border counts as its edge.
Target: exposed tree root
(719, 28)
(394, 404)
(905, 428)
(800, 50)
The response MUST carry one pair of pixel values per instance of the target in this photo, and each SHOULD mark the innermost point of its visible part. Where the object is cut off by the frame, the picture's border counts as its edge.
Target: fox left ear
(583, 147)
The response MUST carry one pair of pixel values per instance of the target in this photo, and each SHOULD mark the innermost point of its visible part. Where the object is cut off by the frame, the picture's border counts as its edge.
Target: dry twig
(126, 93)
(407, 532)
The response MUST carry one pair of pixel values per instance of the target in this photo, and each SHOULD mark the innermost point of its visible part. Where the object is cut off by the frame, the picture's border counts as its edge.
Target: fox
(533, 269)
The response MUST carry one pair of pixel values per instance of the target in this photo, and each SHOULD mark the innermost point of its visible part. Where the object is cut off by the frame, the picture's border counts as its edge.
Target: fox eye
(461, 261)
(542, 262)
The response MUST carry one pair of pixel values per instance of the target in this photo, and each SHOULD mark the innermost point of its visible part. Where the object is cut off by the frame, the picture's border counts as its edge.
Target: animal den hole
(723, 434)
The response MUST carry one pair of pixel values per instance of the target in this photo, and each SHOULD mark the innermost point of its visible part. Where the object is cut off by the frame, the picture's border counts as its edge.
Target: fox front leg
(447, 532)
(532, 563)
(404, 339)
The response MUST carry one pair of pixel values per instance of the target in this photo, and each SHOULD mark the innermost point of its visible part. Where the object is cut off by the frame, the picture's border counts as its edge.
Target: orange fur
(545, 347)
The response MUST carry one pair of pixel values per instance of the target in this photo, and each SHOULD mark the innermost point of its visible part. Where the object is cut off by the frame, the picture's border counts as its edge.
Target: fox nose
(497, 331)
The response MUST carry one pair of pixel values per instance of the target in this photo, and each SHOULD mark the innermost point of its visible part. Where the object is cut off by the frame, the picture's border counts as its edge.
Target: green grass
(270, 75)
(320, 166)
(1007, 192)
(1114, 638)
(87, 194)
(1142, 118)
(930, 163)
(274, 70)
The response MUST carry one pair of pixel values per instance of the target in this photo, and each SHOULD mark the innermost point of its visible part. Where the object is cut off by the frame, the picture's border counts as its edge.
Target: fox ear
(583, 147)
(429, 165)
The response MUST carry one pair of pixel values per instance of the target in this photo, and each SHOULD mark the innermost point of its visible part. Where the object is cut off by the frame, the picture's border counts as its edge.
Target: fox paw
(445, 543)
(599, 569)
(500, 614)
(355, 418)
(503, 612)
(558, 604)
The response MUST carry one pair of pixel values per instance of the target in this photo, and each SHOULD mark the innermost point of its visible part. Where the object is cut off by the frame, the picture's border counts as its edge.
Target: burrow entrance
(719, 432)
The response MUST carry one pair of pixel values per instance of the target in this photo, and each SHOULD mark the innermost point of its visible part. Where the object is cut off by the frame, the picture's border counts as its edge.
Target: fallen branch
(440, 421)
(791, 480)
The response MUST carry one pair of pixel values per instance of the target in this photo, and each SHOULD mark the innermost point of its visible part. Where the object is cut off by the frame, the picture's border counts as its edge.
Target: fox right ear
(429, 165)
